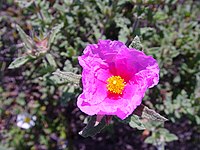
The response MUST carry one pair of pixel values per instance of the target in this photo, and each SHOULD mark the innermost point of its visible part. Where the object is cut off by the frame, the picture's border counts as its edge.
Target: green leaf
(2, 147)
(169, 137)
(68, 76)
(136, 123)
(152, 115)
(68, 66)
(91, 129)
(177, 79)
(160, 15)
(123, 36)
(29, 43)
(19, 62)
(24, 3)
(136, 44)
(51, 60)
(53, 33)
(67, 96)
(197, 118)
(149, 114)
(21, 102)
(161, 135)
(59, 7)
(150, 140)
(145, 30)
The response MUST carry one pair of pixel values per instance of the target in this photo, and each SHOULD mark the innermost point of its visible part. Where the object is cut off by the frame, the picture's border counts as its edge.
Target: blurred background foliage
(169, 30)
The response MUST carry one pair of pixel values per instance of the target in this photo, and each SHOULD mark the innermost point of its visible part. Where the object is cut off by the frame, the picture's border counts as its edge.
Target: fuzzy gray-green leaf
(19, 62)
(150, 140)
(53, 33)
(135, 122)
(136, 43)
(2, 147)
(152, 115)
(29, 43)
(51, 60)
(68, 76)
(149, 114)
(169, 137)
(24, 3)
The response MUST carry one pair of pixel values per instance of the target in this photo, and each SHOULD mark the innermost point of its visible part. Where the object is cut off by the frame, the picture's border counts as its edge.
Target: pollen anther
(115, 84)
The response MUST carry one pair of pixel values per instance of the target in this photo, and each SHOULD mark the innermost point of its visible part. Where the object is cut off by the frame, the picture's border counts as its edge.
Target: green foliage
(51, 60)
(5, 148)
(136, 43)
(143, 117)
(160, 136)
(19, 61)
(53, 33)
(24, 3)
(136, 123)
(152, 115)
(68, 77)
(92, 128)
(28, 42)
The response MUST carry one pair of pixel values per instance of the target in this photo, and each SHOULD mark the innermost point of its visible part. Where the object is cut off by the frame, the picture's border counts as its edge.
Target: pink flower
(115, 78)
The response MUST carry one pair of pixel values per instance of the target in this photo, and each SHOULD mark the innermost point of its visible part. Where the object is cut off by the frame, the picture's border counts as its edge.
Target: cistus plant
(89, 71)
(114, 81)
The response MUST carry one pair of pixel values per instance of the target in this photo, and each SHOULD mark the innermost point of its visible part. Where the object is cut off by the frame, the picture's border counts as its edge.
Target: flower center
(115, 84)
(27, 120)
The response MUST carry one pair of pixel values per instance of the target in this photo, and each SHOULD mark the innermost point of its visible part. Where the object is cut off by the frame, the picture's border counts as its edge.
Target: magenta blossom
(115, 78)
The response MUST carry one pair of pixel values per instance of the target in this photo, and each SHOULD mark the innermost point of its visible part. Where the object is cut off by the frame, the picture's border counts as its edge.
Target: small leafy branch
(35, 47)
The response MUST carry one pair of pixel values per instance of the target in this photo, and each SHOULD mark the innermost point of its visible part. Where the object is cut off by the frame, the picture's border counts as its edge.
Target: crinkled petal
(103, 74)
(87, 107)
(108, 49)
(149, 75)
(90, 60)
(94, 89)
(131, 98)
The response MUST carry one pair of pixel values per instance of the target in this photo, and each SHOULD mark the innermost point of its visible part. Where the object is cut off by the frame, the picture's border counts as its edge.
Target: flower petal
(25, 126)
(95, 90)
(131, 98)
(86, 107)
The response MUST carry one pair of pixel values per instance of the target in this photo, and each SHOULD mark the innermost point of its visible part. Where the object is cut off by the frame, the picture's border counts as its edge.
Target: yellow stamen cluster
(27, 119)
(115, 84)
